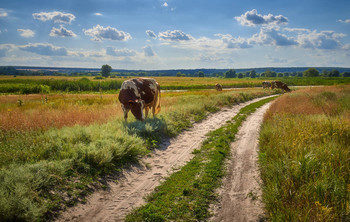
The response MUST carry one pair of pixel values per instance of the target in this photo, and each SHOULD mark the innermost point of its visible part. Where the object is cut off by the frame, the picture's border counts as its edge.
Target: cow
(266, 84)
(139, 94)
(280, 85)
(218, 87)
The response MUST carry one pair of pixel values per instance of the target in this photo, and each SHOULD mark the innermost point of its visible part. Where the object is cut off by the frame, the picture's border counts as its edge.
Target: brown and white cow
(266, 84)
(138, 94)
(280, 85)
(218, 87)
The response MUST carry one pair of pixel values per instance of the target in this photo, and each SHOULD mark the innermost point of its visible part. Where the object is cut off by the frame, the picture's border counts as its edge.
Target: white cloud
(272, 36)
(151, 34)
(119, 52)
(148, 51)
(252, 19)
(344, 21)
(62, 32)
(57, 17)
(4, 48)
(3, 12)
(98, 14)
(175, 35)
(232, 42)
(45, 49)
(100, 33)
(321, 40)
(26, 33)
(165, 4)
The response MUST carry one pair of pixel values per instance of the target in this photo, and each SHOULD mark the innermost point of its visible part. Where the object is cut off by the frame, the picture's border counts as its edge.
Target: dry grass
(60, 110)
(305, 101)
(57, 111)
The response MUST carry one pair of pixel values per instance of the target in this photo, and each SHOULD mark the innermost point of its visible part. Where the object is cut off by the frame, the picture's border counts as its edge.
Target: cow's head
(136, 108)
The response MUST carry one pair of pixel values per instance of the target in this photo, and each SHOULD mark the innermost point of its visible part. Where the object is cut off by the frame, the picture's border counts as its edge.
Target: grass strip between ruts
(186, 194)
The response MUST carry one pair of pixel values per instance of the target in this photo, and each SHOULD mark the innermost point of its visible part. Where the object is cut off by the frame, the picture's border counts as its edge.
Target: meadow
(45, 84)
(56, 146)
(305, 156)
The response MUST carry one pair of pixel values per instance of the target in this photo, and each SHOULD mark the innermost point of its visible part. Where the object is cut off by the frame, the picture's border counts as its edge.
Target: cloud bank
(45, 49)
(26, 33)
(252, 19)
(62, 32)
(148, 51)
(175, 35)
(56, 17)
(100, 33)
(151, 34)
(119, 52)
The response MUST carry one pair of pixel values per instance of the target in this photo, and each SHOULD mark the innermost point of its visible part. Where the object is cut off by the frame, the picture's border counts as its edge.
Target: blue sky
(175, 34)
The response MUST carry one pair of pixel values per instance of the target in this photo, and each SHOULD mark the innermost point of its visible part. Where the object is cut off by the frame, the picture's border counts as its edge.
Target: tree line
(107, 71)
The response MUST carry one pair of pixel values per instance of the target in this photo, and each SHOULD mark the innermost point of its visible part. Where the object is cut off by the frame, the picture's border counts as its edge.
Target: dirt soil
(240, 195)
(139, 181)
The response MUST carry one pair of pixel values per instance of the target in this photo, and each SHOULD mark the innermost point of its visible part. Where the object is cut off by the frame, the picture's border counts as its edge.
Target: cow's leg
(125, 112)
(146, 111)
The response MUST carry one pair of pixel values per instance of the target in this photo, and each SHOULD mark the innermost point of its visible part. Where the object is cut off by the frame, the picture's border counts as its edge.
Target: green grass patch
(186, 194)
(305, 159)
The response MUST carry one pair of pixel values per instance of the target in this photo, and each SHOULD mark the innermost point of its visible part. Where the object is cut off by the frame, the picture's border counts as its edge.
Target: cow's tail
(157, 105)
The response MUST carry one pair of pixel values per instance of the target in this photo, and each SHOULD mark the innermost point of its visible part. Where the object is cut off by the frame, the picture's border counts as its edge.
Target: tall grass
(53, 168)
(305, 156)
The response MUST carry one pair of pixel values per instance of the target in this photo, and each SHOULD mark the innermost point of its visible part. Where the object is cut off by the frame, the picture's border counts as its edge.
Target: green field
(54, 144)
(43, 84)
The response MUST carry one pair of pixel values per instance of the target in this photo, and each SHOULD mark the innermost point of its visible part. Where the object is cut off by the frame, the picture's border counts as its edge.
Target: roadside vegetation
(305, 156)
(187, 193)
(48, 166)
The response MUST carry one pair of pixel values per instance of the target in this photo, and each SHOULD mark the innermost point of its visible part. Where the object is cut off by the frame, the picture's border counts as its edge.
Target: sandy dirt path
(240, 195)
(126, 194)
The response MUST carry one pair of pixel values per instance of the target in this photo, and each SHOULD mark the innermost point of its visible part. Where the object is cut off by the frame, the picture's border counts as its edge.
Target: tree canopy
(311, 72)
(106, 70)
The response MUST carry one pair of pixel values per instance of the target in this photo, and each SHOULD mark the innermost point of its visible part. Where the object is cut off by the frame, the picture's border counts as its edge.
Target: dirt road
(128, 193)
(240, 194)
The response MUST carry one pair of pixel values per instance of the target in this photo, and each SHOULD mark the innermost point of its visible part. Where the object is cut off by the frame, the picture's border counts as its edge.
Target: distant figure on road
(218, 87)
(266, 84)
(280, 85)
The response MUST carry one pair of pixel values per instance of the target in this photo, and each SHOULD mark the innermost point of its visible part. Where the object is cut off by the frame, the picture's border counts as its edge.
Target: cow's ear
(131, 102)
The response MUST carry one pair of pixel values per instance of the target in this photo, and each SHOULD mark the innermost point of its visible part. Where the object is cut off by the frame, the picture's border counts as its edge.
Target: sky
(175, 34)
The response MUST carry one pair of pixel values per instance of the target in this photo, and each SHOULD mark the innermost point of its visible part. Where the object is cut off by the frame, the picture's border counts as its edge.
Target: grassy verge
(186, 194)
(42, 172)
(305, 156)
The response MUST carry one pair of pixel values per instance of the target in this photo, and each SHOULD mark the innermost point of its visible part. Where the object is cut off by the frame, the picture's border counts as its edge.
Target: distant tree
(240, 75)
(269, 73)
(200, 74)
(230, 74)
(334, 73)
(299, 74)
(286, 74)
(346, 74)
(142, 74)
(252, 74)
(311, 72)
(325, 73)
(106, 70)
(280, 75)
